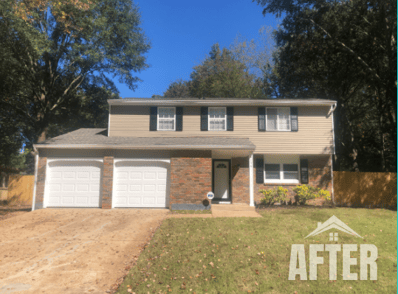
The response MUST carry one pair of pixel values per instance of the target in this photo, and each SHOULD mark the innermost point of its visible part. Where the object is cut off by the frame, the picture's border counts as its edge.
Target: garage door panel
(83, 175)
(135, 176)
(146, 184)
(74, 184)
(83, 188)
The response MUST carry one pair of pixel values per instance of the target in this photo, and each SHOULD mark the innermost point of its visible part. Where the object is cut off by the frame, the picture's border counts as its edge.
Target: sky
(181, 33)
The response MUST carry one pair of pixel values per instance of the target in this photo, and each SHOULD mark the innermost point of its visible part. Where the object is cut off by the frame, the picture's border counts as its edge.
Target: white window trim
(225, 118)
(282, 180)
(277, 120)
(175, 119)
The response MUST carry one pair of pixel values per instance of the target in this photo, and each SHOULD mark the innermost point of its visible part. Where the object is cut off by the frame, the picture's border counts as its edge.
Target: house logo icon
(333, 223)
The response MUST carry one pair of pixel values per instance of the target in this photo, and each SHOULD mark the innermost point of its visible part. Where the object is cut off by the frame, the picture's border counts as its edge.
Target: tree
(255, 54)
(61, 53)
(343, 50)
(178, 89)
(220, 75)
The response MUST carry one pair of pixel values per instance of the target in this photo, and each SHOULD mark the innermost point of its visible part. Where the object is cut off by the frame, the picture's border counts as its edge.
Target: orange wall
(365, 189)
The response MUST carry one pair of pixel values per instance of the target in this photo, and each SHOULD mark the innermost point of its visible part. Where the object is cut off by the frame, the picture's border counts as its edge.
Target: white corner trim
(334, 144)
(35, 183)
(331, 168)
(251, 188)
(113, 186)
(109, 119)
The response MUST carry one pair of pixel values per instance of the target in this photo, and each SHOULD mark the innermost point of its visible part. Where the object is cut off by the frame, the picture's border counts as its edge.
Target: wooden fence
(20, 189)
(361, 189)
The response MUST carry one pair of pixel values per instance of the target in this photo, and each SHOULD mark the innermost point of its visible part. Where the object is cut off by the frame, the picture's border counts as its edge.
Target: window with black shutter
(259, 170)
(261, 119)
(179, 114)
(304, 171)
(153, 120)
(204, 118)
(230, 118)
(294, 119)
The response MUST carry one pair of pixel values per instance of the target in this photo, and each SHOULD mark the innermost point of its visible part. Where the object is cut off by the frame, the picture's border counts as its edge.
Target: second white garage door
(140, 184)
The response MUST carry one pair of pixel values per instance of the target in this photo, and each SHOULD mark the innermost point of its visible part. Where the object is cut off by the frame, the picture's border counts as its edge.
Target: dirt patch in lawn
(7, 211)
(72, 250)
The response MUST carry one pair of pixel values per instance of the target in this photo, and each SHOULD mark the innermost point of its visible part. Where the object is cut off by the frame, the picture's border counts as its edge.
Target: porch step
(232, 207)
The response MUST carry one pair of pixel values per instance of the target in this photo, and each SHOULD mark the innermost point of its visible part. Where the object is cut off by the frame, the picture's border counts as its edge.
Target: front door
(221, 179)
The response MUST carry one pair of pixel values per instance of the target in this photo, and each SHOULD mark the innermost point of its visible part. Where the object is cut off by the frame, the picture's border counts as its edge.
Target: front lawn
(251, 255)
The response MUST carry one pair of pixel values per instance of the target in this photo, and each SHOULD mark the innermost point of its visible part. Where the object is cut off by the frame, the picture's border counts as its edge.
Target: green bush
(269, 197)
(281, 195)
(304, 193)
(324, 194)
(272, 196)
(307, 192)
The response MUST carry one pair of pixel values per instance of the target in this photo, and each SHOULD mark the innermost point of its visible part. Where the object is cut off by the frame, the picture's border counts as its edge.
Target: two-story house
(172, 152)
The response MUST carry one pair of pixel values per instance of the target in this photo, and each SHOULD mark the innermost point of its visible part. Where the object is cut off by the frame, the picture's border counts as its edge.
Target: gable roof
(221, 101)
(98, 139)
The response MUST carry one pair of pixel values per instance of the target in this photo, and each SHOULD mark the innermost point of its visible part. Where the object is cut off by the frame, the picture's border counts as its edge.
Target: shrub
(269, 197)
(281, 195)
(274, 195)
(324, 194)
(307, 192)
(304, 193)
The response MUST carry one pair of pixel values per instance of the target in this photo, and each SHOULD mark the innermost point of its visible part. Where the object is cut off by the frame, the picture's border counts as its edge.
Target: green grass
(208, 211)
(235, 255)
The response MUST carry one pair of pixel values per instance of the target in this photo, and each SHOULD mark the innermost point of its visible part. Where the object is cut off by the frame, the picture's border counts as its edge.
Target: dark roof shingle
(98, 138)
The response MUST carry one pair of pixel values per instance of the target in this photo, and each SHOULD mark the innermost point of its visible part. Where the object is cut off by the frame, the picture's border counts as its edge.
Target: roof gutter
(157, 147)
(221, 102)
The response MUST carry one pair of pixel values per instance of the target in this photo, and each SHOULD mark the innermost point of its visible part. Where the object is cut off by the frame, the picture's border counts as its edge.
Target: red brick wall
(41, 180)
(190, 180)
(107, 182)
(319, 167)
(240, 180)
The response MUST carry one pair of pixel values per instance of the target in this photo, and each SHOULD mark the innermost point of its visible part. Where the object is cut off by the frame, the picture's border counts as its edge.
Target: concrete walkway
(224, 210)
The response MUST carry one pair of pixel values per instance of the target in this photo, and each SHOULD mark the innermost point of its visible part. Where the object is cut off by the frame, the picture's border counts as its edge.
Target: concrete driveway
(71, 250)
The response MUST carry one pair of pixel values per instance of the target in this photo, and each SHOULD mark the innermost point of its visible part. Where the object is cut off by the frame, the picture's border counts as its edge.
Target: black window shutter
(230, 118)
(153, 121)
(259, 170)
(261, 119)
(203, 118)
(294, 118)
(304, 171)
(179, 113)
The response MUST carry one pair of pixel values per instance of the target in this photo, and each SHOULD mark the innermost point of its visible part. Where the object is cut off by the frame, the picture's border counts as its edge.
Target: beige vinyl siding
(314, 135)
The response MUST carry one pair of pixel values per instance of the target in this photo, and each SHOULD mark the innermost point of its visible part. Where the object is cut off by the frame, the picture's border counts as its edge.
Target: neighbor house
(172, 152)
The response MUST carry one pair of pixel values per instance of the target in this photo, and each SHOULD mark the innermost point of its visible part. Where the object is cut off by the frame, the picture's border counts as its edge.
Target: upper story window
(217, 119)
(166, 119)
(278, 119)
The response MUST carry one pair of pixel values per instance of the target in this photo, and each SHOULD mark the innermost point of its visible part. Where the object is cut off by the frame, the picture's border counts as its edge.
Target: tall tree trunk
(43, 135)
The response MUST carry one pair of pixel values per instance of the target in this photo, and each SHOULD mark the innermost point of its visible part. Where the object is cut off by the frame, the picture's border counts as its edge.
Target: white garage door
(140, 184)
(73, 184)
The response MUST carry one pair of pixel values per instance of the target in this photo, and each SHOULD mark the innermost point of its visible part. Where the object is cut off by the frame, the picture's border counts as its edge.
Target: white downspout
(332, 109)
(251, 188)
(35, 183)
